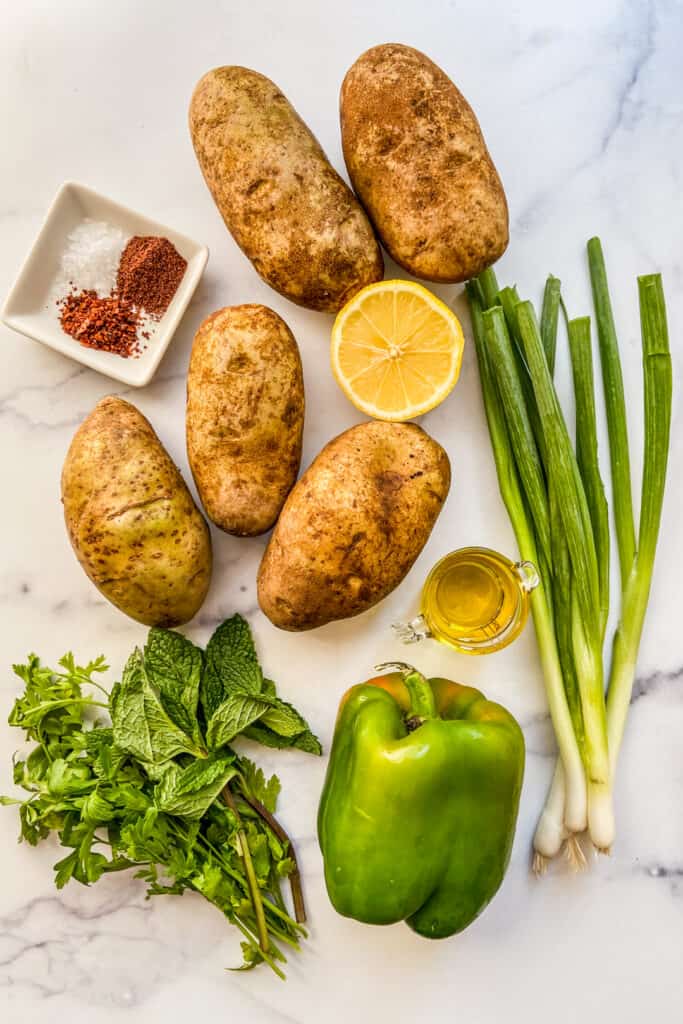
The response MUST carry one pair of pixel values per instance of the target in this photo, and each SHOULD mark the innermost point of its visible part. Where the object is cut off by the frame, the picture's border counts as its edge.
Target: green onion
(508, 299)
(549, 318)
(562, 598)
(615, 408)
(636, 589)
(586, 637)
(573, 779)
(556, 502)
(579, 332)
(571, 496)
(519, 427)
(489, 288)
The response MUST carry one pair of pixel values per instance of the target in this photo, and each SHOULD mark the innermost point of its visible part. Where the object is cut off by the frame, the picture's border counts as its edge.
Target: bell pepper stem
(422, 705)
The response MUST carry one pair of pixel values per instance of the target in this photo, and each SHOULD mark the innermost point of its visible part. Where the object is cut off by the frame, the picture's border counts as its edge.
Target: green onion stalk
(574, 522)
(555, 498)
(657, 376)
(574, 788)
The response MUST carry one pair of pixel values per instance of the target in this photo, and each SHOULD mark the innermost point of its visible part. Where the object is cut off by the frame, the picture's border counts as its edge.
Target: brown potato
(353, 525)
(131, 520)
(418, 161)
(285, 205)
(245, 417)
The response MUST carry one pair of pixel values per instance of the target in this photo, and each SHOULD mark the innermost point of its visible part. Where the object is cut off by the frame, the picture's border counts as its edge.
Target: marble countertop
(582, 108)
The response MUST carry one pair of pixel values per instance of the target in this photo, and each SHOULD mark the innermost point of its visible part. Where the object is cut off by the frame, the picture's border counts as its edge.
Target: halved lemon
(396, 350)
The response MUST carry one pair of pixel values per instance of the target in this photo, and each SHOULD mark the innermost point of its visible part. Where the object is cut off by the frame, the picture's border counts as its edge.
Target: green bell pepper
(419, 806)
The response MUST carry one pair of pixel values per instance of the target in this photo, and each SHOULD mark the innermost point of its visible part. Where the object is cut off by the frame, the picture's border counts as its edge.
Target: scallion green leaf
(579, 332)
(519, 428)
(615, 407)
(658, 397)
(549, 318)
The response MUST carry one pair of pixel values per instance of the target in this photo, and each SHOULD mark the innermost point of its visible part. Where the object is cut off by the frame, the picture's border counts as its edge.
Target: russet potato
(419, 164)
(245, 417)
(285, 205)
(131, 520)
(353, 525)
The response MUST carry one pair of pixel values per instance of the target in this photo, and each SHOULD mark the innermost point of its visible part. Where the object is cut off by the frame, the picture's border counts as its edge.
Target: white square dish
(30, 307)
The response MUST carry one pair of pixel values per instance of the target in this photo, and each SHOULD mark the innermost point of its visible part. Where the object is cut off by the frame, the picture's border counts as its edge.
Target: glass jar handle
(527, 574)
(412, 632)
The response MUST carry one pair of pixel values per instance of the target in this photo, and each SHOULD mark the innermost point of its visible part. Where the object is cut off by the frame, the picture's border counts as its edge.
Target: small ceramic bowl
(30, 307)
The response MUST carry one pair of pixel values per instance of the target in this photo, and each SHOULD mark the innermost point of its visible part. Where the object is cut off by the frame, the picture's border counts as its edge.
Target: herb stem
(282, 914)
(268, 904)
(251, 939)
(295, 875)
(86, 680)
(257, 902)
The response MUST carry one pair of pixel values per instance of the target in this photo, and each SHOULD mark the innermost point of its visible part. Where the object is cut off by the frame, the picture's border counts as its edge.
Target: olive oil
(475, 600)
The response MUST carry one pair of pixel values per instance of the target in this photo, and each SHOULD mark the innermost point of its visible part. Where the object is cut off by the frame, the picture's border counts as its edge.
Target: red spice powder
(110, 324)
(149, 273)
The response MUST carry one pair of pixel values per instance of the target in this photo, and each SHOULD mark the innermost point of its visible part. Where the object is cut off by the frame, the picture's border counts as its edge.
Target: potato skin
(245, 417)
(419, 164)
(285, 205)
(353, 525)
(131, 520)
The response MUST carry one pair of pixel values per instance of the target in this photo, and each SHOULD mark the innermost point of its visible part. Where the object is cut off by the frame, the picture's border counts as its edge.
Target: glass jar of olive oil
(475, 600)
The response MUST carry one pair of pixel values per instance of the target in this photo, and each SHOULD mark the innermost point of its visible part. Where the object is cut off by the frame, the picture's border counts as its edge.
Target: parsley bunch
(160, 789)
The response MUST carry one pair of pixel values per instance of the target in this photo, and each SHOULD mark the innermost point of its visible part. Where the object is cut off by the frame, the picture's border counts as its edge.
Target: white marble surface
(582, 106)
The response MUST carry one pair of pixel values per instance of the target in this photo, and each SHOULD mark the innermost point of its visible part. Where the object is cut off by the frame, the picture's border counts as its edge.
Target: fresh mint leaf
(130, 728)
(306, 741)
(156, 772)
(173, 664)
(233, 716)
(269, 688)
(141, 726)
(283, 719)
(309, 743)
(166, 738)
(266, 737)
(256, 784)
(231, 664)
(204, 772)
(189, 791)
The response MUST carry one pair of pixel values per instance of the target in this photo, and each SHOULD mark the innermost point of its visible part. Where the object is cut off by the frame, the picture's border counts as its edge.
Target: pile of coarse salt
(90, 259)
